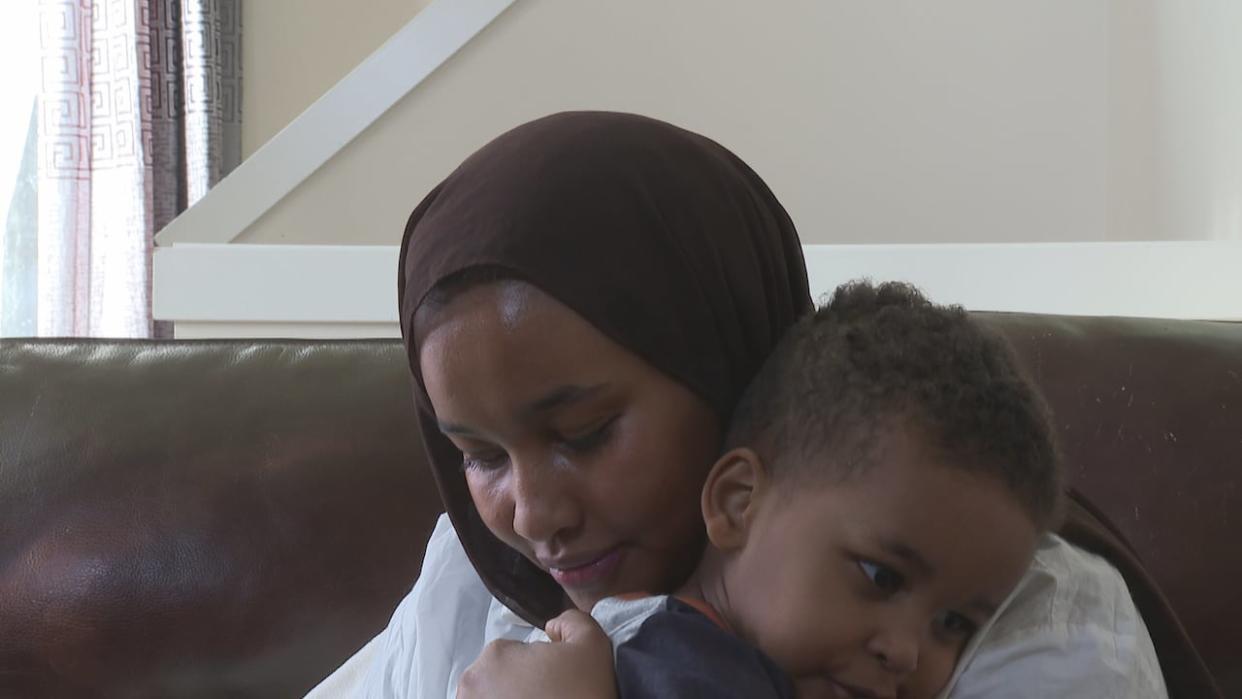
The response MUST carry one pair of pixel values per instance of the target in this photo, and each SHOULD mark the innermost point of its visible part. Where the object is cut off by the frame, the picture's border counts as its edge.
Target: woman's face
(577, 453)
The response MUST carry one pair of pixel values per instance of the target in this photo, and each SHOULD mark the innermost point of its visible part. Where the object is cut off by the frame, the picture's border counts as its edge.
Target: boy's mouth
(846, 691)
(584, 571)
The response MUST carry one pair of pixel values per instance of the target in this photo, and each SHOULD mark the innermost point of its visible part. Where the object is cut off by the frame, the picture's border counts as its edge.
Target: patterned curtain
(139, 115)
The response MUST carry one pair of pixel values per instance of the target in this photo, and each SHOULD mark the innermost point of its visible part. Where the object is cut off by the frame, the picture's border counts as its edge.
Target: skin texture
(577, 453)
(813, 571)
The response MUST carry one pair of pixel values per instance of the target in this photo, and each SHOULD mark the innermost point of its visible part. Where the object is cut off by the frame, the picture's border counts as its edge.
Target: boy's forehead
(971, 534)
(937, 518)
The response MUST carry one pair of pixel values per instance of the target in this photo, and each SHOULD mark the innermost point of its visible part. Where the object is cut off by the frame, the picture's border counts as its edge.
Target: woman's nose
(544, 505)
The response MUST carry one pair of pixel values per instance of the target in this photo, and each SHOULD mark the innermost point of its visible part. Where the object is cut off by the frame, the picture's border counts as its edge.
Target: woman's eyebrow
(556, 398)
(562, 396)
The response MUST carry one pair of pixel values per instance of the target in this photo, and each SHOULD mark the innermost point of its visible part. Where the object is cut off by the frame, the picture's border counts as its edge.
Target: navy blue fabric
(679, 652)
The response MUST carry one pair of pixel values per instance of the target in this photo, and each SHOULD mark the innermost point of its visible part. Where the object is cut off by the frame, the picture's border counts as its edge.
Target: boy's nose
(897, 650)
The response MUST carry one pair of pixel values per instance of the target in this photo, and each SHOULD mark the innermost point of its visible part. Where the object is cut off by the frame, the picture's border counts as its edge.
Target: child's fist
(576, 626)
(576, 665)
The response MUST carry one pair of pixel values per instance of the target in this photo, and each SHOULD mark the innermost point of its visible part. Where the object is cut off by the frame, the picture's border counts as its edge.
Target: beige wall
(294, 50)
(964, 121)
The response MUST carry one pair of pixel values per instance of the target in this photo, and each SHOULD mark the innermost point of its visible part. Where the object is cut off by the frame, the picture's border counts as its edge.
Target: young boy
(885, 480)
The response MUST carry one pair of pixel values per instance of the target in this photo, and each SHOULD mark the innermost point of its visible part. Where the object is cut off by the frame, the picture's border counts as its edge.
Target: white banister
(353, 104)
(343, 291)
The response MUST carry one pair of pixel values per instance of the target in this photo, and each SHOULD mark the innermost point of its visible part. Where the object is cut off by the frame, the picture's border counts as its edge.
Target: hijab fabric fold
(662, 239)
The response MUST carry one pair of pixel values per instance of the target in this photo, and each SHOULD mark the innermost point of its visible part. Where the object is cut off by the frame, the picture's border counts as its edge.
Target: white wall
(874, 122)
(294, 50)
(884, 121)
(1197, 47)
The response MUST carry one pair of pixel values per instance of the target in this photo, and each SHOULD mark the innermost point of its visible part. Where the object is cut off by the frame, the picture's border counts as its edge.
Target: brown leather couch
(235, 518)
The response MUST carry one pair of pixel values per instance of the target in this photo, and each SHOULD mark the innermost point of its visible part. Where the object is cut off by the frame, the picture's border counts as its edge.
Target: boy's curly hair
(877, 357)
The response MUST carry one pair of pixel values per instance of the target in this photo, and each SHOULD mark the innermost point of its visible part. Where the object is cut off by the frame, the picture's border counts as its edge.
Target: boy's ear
(730, 496)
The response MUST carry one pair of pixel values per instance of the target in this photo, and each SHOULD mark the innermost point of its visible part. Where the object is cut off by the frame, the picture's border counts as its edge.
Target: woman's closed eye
(590, 437)
(483, 460)
(885, 579)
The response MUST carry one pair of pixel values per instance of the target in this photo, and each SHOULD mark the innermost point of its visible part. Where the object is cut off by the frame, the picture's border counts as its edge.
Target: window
(19, 52)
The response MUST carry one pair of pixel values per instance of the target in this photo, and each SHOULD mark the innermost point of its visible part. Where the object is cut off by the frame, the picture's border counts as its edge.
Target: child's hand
(577, 664)
(577, 627)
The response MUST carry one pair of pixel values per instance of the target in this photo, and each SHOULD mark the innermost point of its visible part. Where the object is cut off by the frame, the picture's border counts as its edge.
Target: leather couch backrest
(1149, 415)
(206, 518)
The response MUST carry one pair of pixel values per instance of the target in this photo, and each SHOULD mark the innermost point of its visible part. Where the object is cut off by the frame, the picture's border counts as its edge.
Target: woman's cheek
(669, 490)
(492, 500)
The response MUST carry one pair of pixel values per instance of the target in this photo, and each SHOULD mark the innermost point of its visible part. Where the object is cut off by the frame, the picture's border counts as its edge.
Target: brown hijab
(662, 239)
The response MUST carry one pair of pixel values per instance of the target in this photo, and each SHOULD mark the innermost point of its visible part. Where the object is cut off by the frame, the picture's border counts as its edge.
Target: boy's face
(873, 585)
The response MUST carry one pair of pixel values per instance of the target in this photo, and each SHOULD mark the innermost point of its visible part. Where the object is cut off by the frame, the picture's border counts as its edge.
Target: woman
(583, 301)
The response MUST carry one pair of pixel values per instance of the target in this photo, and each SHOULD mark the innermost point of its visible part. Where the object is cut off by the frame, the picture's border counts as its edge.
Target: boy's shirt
(667, 647)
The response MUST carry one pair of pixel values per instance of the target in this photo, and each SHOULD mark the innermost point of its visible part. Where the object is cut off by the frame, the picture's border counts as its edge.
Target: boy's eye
(955, 626)
(883, 577)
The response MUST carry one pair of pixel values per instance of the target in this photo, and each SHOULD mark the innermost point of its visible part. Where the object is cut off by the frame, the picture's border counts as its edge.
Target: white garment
(433, 636)
(1069, 630)
(620, 619)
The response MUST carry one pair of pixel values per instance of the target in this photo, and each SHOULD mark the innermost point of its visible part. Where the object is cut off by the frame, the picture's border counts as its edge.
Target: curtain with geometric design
(139, 114)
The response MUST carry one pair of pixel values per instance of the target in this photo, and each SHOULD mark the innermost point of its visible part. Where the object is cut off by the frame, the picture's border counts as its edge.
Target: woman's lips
(589, 573)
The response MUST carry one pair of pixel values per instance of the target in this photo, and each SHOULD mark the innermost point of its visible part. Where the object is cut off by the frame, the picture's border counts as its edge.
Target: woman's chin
(586, 598)
(583, 601)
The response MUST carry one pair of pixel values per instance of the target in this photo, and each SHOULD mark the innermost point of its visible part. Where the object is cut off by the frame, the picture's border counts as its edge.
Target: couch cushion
(207, 518)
